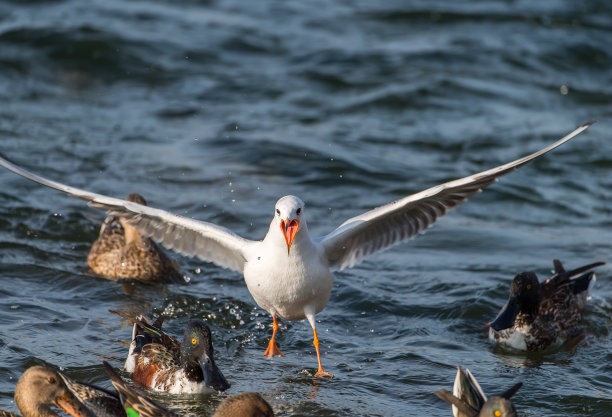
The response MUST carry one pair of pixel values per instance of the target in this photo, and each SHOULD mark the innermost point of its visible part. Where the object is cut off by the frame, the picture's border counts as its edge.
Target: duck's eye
(497, 413)
(528, 287)
(194, 341)
(299, 211)
(51, 380)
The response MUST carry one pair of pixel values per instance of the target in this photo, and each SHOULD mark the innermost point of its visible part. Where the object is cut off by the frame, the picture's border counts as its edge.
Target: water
(216, 109)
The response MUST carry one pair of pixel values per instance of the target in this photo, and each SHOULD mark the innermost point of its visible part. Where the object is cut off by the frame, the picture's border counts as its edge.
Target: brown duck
(41, 387)
(122, 252)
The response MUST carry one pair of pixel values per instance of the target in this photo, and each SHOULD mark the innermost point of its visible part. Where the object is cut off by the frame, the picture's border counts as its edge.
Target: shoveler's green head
(197, 341)
(525, 293)
(197, 347)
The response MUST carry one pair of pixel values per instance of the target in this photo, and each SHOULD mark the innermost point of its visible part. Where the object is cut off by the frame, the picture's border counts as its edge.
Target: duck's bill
(510, 392)
(72, 406)
(505, 318)
(213, 377)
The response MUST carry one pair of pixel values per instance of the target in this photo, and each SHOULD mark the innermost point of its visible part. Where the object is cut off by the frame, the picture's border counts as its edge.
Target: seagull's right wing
(402, 219)
(190, 237)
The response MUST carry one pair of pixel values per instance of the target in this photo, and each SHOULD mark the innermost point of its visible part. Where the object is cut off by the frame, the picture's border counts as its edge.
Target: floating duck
(468, 399)
(538, 316)
(160, 362)
(122, 252)
(247, 404)
(288, 273)
(39, 387)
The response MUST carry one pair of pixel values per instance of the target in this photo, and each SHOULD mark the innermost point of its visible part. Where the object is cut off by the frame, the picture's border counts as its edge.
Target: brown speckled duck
(122, 252)
(542, 315)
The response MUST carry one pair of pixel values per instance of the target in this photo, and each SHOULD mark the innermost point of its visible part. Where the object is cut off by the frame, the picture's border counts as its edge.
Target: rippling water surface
(214, 109)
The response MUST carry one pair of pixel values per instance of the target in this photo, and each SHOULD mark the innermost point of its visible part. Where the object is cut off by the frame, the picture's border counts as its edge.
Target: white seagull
(288, 273)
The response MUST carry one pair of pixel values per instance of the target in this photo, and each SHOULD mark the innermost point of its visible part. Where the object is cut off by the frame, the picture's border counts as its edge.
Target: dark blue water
(215, 109)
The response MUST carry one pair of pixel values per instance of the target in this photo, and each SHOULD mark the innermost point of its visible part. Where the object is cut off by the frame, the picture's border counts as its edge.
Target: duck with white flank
(538, 316)
(288, 273)
(160, 362)
(469, 400)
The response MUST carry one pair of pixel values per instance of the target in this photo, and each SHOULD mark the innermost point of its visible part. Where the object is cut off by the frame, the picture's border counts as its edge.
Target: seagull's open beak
(289, 229)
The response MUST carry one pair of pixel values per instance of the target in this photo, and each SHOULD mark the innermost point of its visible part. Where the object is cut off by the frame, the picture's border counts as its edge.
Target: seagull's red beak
(289, 229)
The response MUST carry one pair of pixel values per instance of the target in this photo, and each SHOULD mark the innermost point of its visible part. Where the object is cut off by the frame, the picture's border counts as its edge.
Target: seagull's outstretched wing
(190, 237)
(392, 223)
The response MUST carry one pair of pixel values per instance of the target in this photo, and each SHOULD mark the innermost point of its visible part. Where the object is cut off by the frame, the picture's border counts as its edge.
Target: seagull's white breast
(288, 285)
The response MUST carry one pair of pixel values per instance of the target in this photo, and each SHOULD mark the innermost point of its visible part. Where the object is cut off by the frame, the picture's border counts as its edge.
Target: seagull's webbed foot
(273, 349)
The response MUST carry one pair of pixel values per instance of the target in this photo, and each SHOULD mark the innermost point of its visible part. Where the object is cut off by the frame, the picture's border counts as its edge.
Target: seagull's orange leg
(320, 372)
(272, 347)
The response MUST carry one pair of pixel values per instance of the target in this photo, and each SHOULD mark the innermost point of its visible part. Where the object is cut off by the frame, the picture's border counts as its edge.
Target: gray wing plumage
(190, 237)
(402, 219)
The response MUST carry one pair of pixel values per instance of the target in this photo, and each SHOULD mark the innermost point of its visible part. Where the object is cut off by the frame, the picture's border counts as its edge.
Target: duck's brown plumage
(38, 389)
(552, 313)
(248, 404)
(122, 252)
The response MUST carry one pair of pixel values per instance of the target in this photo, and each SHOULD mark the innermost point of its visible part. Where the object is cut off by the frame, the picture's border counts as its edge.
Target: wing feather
(397, 221)
(190, 237)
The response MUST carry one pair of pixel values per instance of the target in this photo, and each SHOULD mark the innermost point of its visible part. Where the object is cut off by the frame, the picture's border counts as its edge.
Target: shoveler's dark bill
(213, 377)
(505, 318)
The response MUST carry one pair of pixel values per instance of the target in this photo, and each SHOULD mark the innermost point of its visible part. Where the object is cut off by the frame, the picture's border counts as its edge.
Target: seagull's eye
(278, 212)
(299, 211)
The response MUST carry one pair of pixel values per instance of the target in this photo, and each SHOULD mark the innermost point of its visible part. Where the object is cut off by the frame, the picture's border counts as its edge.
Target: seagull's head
(289, 212)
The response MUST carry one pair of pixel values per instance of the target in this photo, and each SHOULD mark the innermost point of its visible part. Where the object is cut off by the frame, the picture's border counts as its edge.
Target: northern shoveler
(468, 399)
(39, 387)
(160, 362)
(538, 316)
(122, 252)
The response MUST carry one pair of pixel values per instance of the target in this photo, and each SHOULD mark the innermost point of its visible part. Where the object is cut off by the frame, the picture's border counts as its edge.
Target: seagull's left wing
(190, 237)
(395, 222)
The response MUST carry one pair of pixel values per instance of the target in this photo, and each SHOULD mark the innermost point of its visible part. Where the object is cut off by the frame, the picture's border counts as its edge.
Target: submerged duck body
(121, 252)
(542, 315)
(160, 362)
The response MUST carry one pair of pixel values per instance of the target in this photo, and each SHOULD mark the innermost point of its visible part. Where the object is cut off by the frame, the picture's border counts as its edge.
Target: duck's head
(38, 388)
(289, 215)
(524, 297)
(197, 347)
(247, 404)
